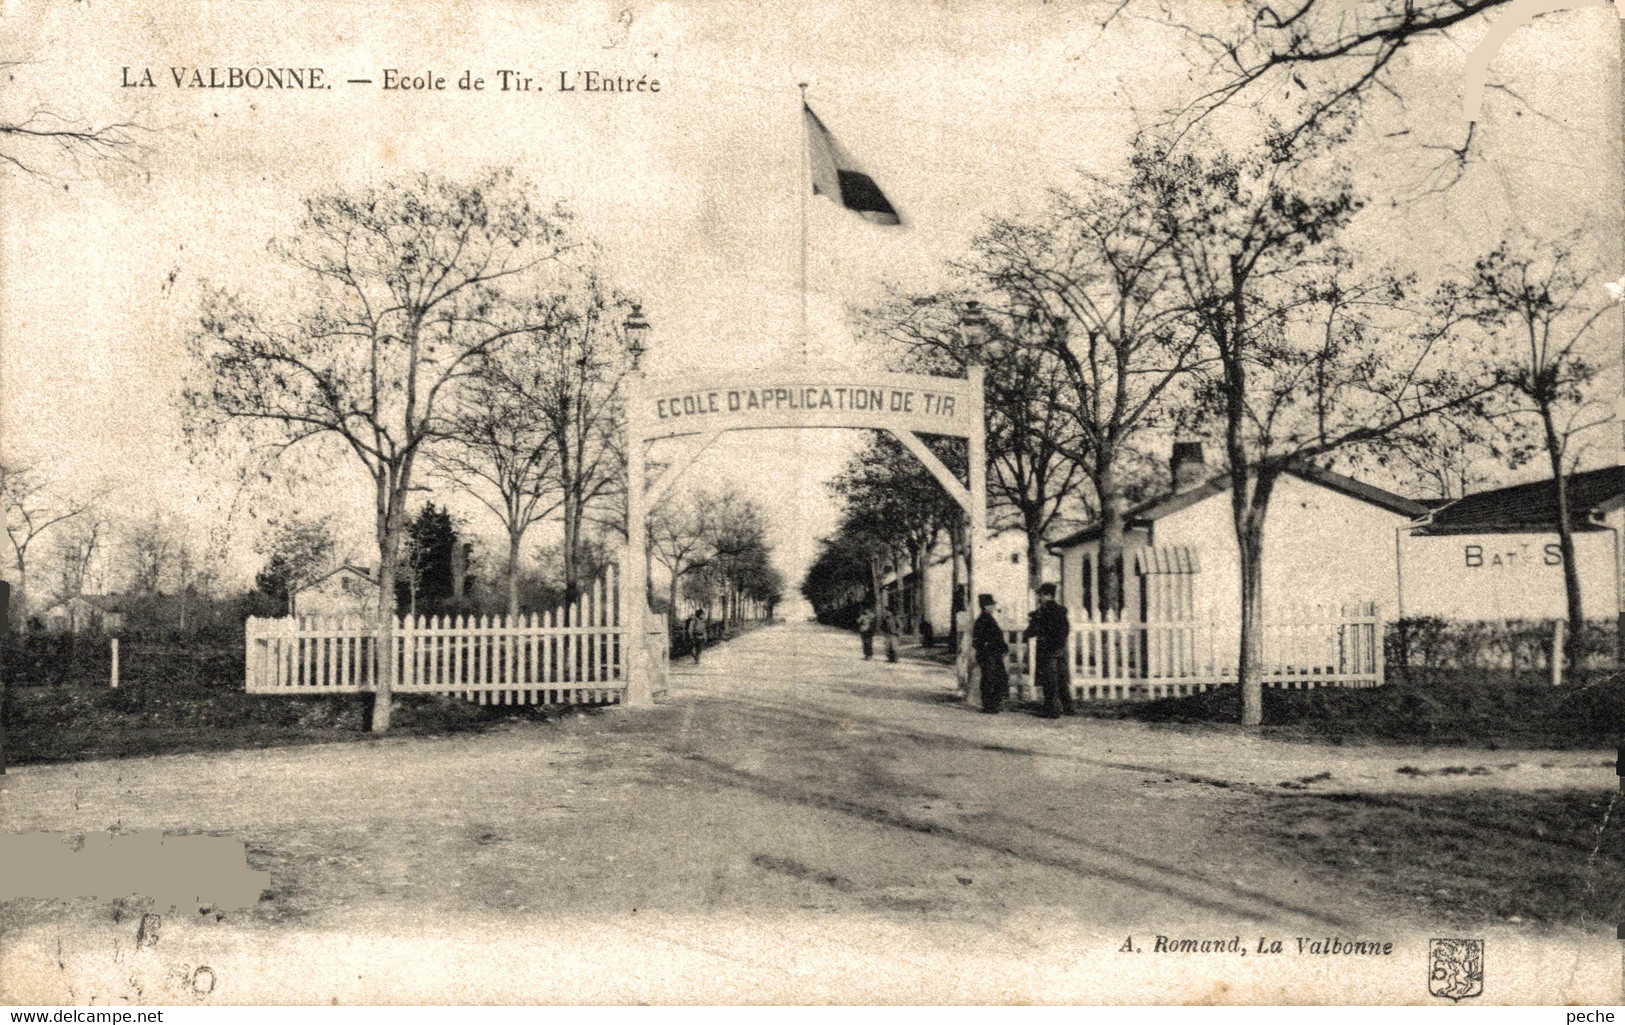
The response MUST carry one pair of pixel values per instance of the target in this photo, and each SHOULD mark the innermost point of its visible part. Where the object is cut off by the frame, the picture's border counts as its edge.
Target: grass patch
(1462, 710)
(61, 724)
(1468, 857)
(177, 698)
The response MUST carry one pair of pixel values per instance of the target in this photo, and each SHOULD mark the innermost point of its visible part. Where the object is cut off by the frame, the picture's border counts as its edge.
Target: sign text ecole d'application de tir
(913, 402)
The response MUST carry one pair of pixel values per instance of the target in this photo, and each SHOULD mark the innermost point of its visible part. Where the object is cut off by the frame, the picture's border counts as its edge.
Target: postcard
(831, 503)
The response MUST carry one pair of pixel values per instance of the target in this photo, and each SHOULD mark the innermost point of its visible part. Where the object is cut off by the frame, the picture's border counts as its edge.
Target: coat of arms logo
(1455, 968)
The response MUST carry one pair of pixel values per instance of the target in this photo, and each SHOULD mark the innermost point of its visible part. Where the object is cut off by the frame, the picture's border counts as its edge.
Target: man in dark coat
(697, 634)
(866, 630)
(889, 630)
(1049, 625)
(987, 640)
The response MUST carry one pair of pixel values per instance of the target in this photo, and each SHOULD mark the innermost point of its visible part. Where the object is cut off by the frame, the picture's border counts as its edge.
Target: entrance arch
(906, 405)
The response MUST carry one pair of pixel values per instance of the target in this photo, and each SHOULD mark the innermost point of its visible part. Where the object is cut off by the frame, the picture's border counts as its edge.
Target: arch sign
(801, 397)
(911, 402)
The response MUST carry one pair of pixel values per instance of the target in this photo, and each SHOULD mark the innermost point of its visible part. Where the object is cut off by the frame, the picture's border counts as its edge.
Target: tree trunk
(384, 649)
(1035, 554)
(19, 594)
(1249, 513)
(912, 621)
(513, 576)
(921, 605)
(1565, 535)
(1110, 552)
(391, 501)
(572, 540)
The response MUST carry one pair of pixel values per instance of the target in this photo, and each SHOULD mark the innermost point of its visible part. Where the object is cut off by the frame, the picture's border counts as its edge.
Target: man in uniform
(1049, 625)
(888, 630)
(987, 640)
(697, 634)
(866, 630)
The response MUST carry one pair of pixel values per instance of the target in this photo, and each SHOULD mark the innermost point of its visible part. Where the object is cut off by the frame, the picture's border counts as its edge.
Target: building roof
(1532, 507)
(1147, 513)
(365, 574)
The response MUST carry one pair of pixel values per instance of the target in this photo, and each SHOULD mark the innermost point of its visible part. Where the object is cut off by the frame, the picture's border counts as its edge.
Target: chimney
(1187, 466)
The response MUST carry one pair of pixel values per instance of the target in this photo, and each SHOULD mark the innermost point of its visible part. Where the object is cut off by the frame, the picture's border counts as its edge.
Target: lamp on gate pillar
(973, 327)
(637, 335)
(634, 597)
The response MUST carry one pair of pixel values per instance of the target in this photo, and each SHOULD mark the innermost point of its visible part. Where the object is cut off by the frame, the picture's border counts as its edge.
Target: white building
(1329, 541)
(1494, 555)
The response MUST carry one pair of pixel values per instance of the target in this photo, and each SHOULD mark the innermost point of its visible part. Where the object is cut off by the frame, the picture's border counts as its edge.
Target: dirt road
(790, 824)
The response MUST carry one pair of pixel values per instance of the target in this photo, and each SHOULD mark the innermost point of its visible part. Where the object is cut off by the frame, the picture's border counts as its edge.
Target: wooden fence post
(1379, 644)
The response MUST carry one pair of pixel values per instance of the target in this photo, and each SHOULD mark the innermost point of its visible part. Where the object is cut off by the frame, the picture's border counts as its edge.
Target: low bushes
(1454, 707)
(1417, 649)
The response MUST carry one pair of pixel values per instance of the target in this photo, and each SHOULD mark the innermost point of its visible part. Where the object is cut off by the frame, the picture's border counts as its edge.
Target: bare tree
(714, 549)
(1093, 285)
(45, 143)
(403, 289)
(1447, 458)
(1308, 364)
(887, 488)
(501, 451)
(32, 504)
(680, 536)
(1032, 439)
(866, 534)
(580, 363)
(76, 546)
(739, 549)
(1315, 62)
(152, 548)
(1537, 305)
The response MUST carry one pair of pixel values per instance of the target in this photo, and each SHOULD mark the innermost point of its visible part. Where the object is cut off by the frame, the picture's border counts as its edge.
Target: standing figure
(1049, 625)
(866, 630)
(987, 640)
(888, 630)
(696, 634)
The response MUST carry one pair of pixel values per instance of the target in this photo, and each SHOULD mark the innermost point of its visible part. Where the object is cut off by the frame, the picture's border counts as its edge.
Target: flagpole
(805, 187)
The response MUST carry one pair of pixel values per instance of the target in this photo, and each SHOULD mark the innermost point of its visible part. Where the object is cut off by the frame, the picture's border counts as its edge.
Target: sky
(961, 112)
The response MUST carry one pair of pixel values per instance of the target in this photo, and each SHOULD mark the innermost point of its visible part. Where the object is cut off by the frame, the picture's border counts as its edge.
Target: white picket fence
(1116, 659)
(575, 655)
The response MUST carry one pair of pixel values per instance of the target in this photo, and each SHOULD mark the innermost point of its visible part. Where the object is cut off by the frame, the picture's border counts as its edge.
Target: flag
(836, 175)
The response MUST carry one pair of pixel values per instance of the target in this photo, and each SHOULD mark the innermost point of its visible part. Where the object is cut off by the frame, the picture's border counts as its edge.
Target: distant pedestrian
(987, 640)
(697, 630)
(888, 629)
(866, 630)
(1049, 626)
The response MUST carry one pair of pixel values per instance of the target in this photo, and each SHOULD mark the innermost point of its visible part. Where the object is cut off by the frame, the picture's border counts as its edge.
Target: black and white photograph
(1034, 502)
